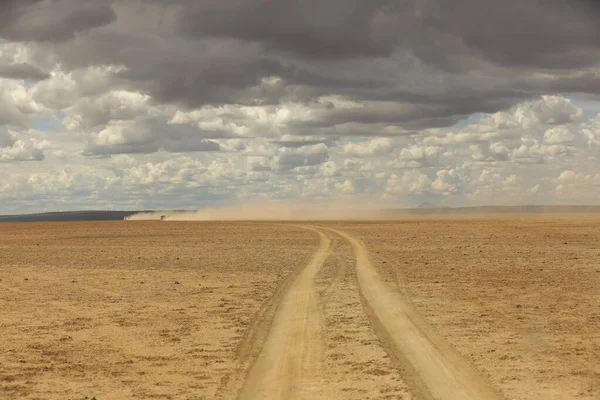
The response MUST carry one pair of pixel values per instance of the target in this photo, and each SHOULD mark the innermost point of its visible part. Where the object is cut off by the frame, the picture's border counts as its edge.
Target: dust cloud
(357, 210)
(271, 211)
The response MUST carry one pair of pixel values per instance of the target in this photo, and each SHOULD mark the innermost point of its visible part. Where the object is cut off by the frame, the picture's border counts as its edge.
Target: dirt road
(290, 364)
(436, 371)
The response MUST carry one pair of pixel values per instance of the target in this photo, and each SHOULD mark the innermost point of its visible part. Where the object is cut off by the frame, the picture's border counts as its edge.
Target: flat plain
(420, 308)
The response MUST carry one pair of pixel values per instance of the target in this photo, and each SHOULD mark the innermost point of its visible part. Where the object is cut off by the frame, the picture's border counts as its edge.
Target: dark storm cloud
(202, 83)
(585, 83)
(312, 28)
(546, 34)
(51, 21)
(22, 71)
(537, 33)
(302, 39)
(414, 63)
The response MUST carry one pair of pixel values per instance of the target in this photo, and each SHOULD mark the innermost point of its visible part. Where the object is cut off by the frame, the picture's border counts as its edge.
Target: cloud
(489, 152)
(591, 130)
(115, 105)
(410, 182)
(448, 182)
(6, 137)
(534, 152)
(146, 136)
(22, 71)
(346, 187)
(290, 158)
(21, 150)
(577, 185)
(438, 32)
(185, 101)
(507, 35)
(373, 147)
(13, 104)
(48, 21)
(381, 55)
(515, 122)
(334, 29)
(65, 89)
(559, 135)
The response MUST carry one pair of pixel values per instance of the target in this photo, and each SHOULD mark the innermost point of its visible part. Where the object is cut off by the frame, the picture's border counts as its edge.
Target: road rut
(290, 363)
(436, 370)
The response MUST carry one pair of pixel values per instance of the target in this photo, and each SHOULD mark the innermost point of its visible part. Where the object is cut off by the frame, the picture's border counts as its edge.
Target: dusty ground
(134, 310)
(202, 310)
(519, 296)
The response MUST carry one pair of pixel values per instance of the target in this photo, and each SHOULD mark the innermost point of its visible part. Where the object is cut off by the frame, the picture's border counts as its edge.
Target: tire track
(432, 366)
(254, 339)
(340, 272)
(290, 362)
(357, 363)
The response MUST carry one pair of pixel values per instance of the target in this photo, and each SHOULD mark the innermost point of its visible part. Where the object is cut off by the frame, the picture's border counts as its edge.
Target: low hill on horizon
(65, 216)
(522, 209)
(428, 205)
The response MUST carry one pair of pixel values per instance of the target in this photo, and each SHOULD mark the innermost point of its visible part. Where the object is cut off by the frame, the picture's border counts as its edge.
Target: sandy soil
(415, 309)
(517, 296)
(134, 310)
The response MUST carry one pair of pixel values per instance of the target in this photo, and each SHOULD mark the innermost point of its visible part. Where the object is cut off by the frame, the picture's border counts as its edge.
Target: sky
(131, 104)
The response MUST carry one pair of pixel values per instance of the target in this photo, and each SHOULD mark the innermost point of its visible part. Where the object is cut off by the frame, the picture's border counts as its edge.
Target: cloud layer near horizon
(126, 104)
